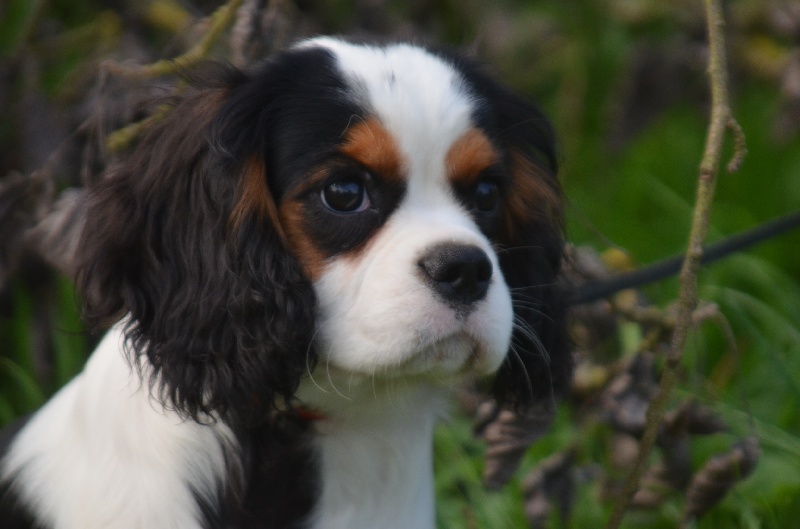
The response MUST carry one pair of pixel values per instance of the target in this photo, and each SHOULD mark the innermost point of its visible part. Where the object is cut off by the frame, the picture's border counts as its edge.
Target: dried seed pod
(695, 419)
(677, 460)
(622, 451)
(469, 400)
(626, 400)
(55, 237)
(653, 488)
(719, 476)
(550, 484)
(508, 435)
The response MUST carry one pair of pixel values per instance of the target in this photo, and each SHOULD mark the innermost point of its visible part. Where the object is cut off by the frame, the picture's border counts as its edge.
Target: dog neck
(375, 455)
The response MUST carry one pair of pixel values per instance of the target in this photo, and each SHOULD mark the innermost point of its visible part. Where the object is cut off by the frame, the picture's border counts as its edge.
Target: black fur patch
(13, 515)
(279, 485)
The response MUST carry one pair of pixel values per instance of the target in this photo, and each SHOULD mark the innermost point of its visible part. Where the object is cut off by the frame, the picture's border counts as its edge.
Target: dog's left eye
(346, 196)
(486, 196)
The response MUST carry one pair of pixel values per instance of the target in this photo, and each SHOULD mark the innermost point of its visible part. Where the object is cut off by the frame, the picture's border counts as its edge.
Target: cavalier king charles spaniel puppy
(299, 264)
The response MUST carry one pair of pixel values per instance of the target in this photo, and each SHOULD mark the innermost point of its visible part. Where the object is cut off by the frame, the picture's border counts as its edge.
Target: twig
(121, 138)
(218, 21)
(721, 120)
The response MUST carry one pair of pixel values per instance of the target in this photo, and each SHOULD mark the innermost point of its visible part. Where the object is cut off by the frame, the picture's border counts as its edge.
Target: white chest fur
(376, 462)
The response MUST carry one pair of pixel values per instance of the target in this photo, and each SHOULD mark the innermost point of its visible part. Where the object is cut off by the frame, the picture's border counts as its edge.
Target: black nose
(459, 273)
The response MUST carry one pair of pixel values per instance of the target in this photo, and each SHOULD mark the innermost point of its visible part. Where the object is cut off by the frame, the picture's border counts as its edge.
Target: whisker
(538, 285)
(515, 355)
(350, 122)
(513, 248)
(372, 381)
(526, 331)
(330, 379)
(542, 352)
(523, 304)
(528, 304)
(308, 362)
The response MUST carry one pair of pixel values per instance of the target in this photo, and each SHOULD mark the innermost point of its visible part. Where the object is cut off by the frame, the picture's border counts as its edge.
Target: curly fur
(223, 312)
(243, 300)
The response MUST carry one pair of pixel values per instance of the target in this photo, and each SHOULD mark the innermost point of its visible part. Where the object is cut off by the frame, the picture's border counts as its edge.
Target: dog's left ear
(183, 237)
(538, 365)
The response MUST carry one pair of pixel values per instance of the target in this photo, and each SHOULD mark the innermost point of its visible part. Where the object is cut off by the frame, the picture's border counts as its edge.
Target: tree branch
(218, 21)
(721, 120)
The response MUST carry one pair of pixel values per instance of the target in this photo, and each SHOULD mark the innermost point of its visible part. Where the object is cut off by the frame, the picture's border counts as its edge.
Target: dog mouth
(442, 361)
(457, 352)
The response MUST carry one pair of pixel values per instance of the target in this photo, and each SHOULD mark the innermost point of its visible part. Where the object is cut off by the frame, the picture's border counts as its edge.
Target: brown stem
(721, 120)
(219, 20)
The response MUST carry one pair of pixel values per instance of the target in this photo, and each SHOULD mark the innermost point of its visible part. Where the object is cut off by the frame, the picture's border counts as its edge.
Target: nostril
(448, 273)
(459, 273)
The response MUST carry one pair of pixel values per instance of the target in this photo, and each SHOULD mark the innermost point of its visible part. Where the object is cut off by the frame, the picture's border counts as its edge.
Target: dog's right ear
(538, 367)
(182, 238)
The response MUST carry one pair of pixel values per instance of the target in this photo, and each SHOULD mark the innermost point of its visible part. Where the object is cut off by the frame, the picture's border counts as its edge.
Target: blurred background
(625, 84)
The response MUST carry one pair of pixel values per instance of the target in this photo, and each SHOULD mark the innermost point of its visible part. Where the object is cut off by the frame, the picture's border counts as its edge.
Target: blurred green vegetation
(624, 82)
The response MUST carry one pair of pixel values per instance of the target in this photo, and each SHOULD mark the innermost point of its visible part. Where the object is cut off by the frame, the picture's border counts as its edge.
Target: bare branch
(218, 21)
(122, 138)
(721, 121)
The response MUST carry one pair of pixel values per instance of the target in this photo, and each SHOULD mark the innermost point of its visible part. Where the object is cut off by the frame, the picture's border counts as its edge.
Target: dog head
(388, 211)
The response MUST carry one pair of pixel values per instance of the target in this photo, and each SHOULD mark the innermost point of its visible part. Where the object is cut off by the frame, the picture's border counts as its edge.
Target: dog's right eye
(346, 196)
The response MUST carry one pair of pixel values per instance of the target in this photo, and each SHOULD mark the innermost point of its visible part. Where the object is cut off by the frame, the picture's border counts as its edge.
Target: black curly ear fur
(539, 364)
(181, 235)
(530, 244)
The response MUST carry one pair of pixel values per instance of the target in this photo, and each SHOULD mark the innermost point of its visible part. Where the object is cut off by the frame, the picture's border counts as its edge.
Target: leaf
(30, 393)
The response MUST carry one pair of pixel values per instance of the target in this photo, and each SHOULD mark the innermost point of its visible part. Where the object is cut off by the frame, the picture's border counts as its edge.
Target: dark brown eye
(345, 196)
(486, 196)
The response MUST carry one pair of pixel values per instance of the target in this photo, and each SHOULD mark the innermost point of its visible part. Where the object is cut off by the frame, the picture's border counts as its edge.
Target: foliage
(624, 82)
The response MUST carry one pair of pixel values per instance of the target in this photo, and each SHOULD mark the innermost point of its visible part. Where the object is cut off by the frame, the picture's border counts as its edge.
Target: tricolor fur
(349, 231)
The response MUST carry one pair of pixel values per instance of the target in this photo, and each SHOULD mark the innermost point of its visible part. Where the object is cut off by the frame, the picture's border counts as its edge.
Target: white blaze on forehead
(419, 98)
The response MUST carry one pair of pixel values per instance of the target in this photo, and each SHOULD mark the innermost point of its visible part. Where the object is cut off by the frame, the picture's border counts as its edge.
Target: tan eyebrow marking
(535, 194)
(371, 145)
(470, 154)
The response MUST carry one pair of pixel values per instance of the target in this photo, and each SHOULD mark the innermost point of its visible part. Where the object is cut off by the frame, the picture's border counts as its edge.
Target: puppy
(299, 265)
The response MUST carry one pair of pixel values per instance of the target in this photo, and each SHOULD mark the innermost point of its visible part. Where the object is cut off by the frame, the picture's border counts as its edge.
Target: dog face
(388, 227)
(385, 210)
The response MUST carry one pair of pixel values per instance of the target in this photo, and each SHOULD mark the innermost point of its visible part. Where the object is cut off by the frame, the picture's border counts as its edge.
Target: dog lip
(456, 350)
(455, 339)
